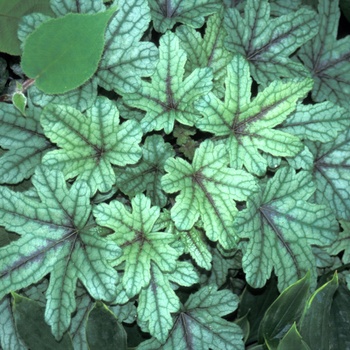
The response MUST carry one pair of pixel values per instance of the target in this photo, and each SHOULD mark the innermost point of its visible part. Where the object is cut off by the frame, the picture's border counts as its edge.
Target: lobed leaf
(208, 189)
(133, 232)
(126, 58)
(168, 97)
(281, 227)
(246, 126)
(25, 142)
(56, 239)
(166, 13)
(267, 42)
(90, 144)
(331, 174)
(327, 58)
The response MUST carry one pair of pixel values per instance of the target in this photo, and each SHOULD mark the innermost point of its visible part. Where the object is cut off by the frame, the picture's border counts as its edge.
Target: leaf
(200, 326)
(331, 174)
(267, 42)
(319, 122)
(327, 58)
(125, 57)
(166, 13)
(156, 303)
(77, 328)
(103, 329)
(342, 243)
(57, 239)
(284, 312)
(59, 61)
(63, 7)
(246, 126)
(169, 97)
(30, 323)
(10, 15)
(208, 190)
(90, 143)
(9, 338)
(292, 340)
(81, 98)
(195, 244)
(133, 232)
(26, 144)
(281, 227)
(314, 324)
(146, 174)
(208, 51)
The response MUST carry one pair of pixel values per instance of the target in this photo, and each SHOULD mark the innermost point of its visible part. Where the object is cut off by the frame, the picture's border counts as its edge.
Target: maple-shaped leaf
(168, 97)
(126, 58)
(268, 42)
(318, 122)
(200, 324)
(25, 141)
(207, 51)
(246, 126)
(281, 225)
(146, 174)
(327, 58)
(208, 190)
(57, 238)
(331, 173)
(166, 13)
(133, 232)
(90, 143)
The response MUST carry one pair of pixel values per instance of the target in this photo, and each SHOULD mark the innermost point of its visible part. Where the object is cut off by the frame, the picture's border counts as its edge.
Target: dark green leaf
(103, 330)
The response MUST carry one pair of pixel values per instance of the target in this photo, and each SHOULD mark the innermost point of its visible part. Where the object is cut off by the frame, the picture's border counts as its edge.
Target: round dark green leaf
(64, 53)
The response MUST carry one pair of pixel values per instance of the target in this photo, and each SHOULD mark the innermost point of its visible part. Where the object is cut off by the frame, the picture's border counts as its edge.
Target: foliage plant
(174, 174)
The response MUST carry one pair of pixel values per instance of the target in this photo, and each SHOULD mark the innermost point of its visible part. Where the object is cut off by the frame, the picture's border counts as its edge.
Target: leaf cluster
(174, 174)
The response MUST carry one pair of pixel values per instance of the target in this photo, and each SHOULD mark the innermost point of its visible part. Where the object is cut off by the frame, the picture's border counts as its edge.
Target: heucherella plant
(174, 174)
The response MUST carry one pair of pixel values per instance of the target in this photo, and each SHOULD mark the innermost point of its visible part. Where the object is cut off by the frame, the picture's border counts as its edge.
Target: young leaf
(156, 303)
(208, 190)
(59, 61)
(25, 142)
(91, 143)
(268, 42)
(281, 227)
(169, 97)
(126, 58)
(146, 174)
(10, 15)
(166, 13)
(293, 340)
(56, 239)
(327, 58)
(208, 51)
(331, 173)
(133, 232)
(318, 122)
(200, 325)
(245, 125)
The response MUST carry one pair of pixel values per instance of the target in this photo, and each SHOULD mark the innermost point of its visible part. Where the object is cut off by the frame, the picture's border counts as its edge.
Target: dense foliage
(174, 174)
